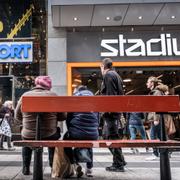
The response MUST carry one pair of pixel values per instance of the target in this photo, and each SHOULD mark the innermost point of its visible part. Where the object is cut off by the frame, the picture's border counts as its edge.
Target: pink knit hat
(43, 81)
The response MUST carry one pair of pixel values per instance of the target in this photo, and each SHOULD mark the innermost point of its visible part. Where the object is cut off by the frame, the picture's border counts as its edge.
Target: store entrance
(134, 78)
(6, 88)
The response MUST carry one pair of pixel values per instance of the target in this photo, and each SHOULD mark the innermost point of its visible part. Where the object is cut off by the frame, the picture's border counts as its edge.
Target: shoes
(26, 170)
(115, 169)
(78, 170)
(2, 148)
(88, 172)
(152, 158)
(11, 148)
(135, 151)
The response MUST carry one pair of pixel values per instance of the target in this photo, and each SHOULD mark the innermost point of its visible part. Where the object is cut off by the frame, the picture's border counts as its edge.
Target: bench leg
(165, 169)
(165, 165)
(38, 164)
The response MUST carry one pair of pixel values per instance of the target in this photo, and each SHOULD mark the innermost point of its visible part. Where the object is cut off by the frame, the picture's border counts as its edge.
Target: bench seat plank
(101, 104)
(99, 143)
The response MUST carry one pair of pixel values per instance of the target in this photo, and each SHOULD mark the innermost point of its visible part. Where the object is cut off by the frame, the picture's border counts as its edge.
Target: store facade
(140, 46)
(22, 46)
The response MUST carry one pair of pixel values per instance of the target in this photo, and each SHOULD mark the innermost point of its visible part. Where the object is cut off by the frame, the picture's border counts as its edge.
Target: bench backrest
(136, 103)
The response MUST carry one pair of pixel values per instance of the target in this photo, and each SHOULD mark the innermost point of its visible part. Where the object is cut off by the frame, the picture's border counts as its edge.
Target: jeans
(134, 129)
(27, 151)
(155, 133)
(111, 133)
(70, 153)
(8, 139)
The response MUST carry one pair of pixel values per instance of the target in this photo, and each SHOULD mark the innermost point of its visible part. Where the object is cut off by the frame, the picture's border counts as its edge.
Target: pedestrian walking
(135, 121)
(112, 85)
(156, 89)
(7, 117)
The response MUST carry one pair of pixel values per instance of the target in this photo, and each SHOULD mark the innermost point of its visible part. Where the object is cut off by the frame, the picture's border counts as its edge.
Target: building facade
(142, 38)
(70, 38)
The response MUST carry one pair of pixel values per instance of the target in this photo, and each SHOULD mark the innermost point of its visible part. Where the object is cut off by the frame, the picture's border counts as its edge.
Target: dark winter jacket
(135, 118)
(83, 125)
(112, 84)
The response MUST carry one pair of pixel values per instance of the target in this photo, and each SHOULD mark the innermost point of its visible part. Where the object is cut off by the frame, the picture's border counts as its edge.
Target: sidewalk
(137, 168)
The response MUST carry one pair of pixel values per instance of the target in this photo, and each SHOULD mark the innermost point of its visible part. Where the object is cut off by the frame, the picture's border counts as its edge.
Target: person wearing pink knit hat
(48, 124)
(43, 81)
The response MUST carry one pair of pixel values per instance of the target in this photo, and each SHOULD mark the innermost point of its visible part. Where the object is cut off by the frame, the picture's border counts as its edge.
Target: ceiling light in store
(108, 18)
(173, 17)
(132, 29)
(139, 72)
(74, 85)
(75, 18)
(77, 80)
(140, 17)
(127, 80)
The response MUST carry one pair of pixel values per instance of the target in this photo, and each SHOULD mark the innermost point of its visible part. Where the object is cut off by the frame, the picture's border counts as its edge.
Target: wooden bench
(159, 104)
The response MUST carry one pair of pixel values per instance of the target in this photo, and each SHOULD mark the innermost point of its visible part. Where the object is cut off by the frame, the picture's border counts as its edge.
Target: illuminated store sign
(16, 52)
(167, 46)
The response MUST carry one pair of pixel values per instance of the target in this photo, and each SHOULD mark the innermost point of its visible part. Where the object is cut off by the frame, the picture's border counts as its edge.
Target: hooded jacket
(83, 125)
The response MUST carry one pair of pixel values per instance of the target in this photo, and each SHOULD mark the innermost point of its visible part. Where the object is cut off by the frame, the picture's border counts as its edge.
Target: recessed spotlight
(75, 18)
(108, 18)
(140, 17)
(117, 18)
(173, 17)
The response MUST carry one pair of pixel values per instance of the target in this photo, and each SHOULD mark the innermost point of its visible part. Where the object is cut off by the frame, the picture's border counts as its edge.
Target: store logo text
(168, 46)
(16, 52)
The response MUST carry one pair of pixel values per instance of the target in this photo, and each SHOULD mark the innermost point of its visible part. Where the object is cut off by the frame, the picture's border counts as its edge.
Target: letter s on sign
(113, 51)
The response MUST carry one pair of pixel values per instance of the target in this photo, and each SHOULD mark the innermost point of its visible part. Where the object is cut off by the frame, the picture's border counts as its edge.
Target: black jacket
(112, 84)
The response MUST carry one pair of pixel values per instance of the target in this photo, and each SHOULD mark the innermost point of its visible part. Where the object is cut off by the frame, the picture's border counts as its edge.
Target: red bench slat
(101, 104)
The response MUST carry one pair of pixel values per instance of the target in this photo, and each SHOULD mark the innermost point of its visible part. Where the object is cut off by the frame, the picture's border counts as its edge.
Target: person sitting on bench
(81, 126)
(48, 124)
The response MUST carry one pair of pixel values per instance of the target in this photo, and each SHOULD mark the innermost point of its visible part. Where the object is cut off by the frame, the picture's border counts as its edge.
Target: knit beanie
(43, 81)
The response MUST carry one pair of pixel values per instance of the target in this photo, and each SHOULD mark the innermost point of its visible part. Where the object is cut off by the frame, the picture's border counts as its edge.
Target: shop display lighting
(140, 17)
(108, 18)
(127, 80)
(173, 17)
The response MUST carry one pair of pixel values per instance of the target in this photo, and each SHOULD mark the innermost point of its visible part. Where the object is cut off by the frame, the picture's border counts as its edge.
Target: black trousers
(27, 151)
(111, 133)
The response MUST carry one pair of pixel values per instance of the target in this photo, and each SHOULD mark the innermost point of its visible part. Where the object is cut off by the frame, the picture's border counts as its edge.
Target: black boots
(26, 170)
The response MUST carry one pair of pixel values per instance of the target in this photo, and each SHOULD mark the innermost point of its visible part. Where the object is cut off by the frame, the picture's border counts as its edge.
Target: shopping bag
(62, 167)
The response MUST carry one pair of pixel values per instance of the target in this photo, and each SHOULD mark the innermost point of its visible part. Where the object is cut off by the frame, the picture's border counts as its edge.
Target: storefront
(142, 38)
(22, 46)
(137, 55)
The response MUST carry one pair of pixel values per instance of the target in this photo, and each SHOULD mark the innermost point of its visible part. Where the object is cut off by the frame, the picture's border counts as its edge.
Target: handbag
(82, 155)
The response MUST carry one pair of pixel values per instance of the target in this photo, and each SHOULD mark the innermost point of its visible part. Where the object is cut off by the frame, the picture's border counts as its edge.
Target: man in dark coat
(112, 85)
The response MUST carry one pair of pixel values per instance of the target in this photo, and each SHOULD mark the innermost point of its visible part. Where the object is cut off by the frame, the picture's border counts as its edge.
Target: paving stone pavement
(137, 168)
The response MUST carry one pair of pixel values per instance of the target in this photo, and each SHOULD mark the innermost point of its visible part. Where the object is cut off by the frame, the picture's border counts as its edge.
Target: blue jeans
(70, 153)
(155, 133)
(134, 129)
